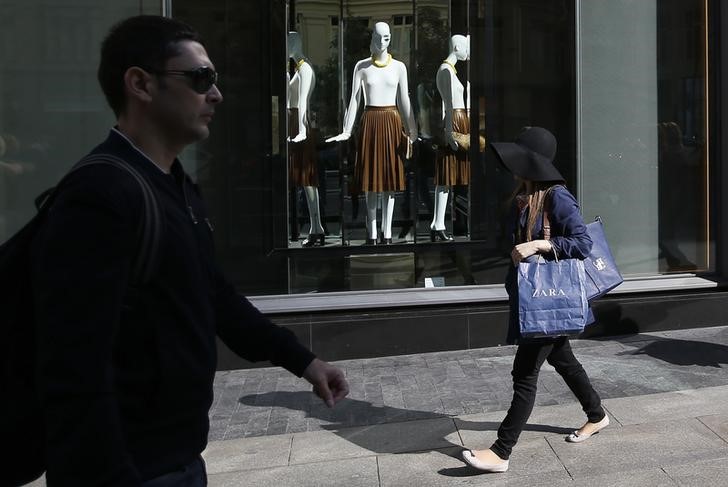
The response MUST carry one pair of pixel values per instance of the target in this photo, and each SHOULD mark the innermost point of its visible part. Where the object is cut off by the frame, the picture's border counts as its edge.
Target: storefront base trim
(395, 298)
(378, 332)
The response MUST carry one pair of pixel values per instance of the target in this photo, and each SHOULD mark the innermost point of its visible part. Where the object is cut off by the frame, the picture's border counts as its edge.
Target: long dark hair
(534, 193)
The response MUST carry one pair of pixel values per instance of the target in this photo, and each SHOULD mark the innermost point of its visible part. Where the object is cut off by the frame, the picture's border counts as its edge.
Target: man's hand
(527, 249)
(328, 382)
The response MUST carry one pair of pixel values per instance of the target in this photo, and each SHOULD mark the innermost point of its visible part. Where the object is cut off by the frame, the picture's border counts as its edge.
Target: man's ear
(139, 84)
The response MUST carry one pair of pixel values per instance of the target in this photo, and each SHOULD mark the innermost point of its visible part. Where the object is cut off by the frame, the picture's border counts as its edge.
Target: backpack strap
(149, 231)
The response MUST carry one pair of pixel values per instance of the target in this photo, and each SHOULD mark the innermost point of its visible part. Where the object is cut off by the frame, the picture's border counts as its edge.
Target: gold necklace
(299, 64)
(384, 64)
(451, 65)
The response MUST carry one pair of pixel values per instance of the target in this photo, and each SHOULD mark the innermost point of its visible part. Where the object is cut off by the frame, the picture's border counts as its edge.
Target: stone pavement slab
(671, 405)
(634, 448)
(355, 472)
(648, 477)
(706, 473)
(444, 468)
(240, 454)
(718, 424)
(409, 436)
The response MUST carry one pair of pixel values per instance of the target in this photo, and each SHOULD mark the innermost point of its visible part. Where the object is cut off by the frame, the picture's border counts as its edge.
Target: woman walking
(562, 234)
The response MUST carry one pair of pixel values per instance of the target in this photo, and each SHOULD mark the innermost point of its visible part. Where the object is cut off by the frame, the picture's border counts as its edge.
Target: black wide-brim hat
(531, 155)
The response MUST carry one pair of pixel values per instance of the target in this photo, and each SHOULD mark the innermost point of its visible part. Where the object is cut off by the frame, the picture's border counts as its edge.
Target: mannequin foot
(440, 235)
(485, 460)
(386, 241)
(370, 241)
(314, 240)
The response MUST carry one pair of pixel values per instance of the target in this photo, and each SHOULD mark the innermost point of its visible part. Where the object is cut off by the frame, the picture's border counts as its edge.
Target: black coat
(126, 393)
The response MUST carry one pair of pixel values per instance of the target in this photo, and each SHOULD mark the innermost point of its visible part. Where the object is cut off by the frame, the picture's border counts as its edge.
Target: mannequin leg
(312, 198)
(437, 227)
(387, 215)
(316, 237)
(442, 194)
(372, 200)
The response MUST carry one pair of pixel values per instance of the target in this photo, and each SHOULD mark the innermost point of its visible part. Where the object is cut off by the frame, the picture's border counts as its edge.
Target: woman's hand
(527, 249)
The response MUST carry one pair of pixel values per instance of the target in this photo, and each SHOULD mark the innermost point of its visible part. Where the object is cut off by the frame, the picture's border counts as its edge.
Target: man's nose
(214, 95)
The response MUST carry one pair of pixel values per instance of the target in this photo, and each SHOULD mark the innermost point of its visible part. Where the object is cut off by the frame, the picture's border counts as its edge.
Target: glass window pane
(643, 130)
(630, 128)
(52, 110)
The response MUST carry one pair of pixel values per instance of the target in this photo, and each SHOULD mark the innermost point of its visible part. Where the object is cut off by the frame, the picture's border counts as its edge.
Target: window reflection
(52, 110)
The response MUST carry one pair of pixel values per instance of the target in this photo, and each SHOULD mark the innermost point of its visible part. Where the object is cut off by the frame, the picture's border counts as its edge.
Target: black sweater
(126, 393)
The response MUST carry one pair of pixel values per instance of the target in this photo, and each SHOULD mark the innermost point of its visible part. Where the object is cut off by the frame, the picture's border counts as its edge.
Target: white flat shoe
(575, 437)
(471, 460)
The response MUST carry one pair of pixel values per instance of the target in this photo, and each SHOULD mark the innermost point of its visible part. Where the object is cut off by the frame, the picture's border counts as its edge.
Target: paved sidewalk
(407, 419)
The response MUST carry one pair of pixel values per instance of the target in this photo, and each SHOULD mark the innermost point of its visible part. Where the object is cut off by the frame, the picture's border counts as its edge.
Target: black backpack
(21, 416)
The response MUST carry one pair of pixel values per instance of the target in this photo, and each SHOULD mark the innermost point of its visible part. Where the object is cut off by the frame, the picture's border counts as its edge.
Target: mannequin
(302, 153)
(379, 165)
(451, 164)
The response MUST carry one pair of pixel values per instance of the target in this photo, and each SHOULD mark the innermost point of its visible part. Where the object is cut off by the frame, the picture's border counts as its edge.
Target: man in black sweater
(126, 390)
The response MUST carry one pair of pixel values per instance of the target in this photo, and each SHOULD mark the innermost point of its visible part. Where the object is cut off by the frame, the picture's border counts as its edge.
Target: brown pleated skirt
(303, 170)
(379, 165)
(452, 168)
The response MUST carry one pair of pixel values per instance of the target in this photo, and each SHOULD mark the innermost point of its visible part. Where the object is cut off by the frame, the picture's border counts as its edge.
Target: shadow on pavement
(684, 352)
(348, 413)
(493, 426)
(404, 430)
(466, 471)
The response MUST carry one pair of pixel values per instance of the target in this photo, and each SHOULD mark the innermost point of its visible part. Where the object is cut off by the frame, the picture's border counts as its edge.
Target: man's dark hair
(146, 41)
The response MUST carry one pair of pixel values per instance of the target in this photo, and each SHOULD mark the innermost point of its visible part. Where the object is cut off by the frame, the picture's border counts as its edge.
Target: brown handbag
(463, 140)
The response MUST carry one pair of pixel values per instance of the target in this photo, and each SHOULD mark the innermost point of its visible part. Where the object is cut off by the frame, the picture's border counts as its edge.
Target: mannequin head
(295, 50)
(381, 37)
(460, 46)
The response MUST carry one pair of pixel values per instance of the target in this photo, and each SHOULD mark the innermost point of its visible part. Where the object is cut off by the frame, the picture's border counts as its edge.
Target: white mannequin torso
(380, 84)
(452, 92)
(449, 84)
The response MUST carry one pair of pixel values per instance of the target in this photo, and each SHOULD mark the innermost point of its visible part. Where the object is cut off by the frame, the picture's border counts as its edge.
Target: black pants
(526, 365)
(191, 475)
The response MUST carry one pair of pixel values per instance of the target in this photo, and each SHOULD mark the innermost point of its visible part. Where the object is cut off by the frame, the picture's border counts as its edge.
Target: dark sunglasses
(201, 79)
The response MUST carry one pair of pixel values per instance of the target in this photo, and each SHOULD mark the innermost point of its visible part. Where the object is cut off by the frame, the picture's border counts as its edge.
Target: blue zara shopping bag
(601, 270)
(551, 297)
